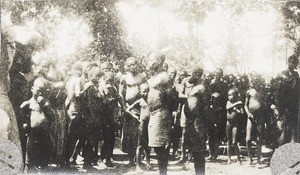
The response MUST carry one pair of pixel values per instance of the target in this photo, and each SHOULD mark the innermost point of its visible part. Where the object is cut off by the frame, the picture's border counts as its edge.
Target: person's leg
(79, 146)
(44, 140)
(144, 144)
(176, 139)
(294, 128)
(147, 156)
(215, 143)
(234, 142)
(229, 141)
(210, 144)
(199, 162)
(248, 140)
(104, 148)
(182, 148)
(132, 142)
(110, 146)
(162, 159)
(87, 152)
(260, 129)
(139, 147)
(70, 146)
(281, 130)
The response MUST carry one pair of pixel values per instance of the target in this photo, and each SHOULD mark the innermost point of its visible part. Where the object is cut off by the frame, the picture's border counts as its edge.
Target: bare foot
(228, 162)
(180, 162)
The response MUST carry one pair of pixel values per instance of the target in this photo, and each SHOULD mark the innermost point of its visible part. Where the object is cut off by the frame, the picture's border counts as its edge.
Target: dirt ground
(220, 167)
(120, 161)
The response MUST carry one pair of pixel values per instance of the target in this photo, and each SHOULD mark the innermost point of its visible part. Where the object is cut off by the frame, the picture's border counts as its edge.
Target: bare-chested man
(129, 92)
(160, 122)
(195, 120)
(255, 110)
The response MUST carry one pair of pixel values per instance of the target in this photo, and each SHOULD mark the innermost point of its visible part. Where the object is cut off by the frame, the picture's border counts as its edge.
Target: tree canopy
(227, 34)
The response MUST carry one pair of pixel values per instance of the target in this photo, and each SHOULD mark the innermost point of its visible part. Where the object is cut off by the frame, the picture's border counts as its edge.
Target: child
(143, 126)
(41, 115)
(111, 99)
(214, 115)
(234, 112)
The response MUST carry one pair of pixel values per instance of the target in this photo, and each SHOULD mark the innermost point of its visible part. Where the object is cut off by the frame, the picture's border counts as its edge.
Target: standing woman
(53, 89)
(59, 126)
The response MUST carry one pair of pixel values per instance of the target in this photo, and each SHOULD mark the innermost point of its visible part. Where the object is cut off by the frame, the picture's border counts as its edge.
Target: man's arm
(136, 103)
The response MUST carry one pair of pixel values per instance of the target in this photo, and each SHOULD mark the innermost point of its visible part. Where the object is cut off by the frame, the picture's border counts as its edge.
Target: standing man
(288, 100)
(129, 92)
(160, 122)
(195, 120)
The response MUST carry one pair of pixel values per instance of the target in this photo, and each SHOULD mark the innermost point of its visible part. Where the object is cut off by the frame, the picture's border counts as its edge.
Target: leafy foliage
(99, 14)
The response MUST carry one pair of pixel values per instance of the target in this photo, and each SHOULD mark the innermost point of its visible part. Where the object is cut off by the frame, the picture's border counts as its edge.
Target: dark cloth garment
(38, 147)
(20, 91)
(195, 128)
(109, 94)
(129, 134)
(88, 153)
(288, 93)
(195, 135)
(91, 106)
(59, 135)
(108, 142)
(110, 102)
(76, 125)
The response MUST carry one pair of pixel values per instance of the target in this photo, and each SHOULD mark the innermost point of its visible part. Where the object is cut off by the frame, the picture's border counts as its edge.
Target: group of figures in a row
(62, 115)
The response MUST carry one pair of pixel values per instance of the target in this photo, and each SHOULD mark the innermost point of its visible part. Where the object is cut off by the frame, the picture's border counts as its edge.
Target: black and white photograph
(150, 87)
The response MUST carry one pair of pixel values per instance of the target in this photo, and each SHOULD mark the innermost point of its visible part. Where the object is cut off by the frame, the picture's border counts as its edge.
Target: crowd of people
(62, 115)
